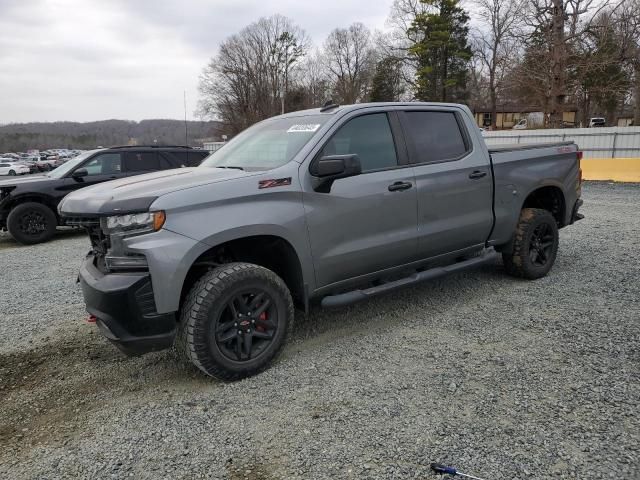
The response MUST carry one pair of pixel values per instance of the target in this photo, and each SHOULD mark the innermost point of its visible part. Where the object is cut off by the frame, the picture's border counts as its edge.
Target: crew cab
(28, 206)
(328, 205)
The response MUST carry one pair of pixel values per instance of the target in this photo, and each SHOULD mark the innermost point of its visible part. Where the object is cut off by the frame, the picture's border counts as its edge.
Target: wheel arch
(548, 196)
(271, 251)
(42, 198)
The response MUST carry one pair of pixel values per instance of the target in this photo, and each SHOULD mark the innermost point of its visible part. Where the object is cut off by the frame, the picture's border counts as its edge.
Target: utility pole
(186, 128)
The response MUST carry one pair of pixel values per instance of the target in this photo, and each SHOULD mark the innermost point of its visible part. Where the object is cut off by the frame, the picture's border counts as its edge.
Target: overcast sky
(84, 60)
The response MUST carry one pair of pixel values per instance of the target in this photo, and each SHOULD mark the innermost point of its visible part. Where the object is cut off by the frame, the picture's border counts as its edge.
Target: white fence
(608, 142)
(212, 146)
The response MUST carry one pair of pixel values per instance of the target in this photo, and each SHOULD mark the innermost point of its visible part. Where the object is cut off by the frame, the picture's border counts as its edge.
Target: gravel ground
(503, 378)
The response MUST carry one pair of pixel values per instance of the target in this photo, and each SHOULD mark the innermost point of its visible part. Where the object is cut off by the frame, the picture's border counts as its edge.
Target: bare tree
(314, 79)
(351, 61)
(627, 24)
(246, 81)
(496, 44)
(555, 26)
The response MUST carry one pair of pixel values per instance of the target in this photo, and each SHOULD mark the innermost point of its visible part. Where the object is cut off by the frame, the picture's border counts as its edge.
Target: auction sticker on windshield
(310, 128)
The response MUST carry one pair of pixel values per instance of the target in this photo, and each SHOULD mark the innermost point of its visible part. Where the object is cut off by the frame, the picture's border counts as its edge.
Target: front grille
(100, 242)
(81, 221)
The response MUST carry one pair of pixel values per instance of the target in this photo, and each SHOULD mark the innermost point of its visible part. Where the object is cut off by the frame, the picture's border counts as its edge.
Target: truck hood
(15, 181)
(137, 193)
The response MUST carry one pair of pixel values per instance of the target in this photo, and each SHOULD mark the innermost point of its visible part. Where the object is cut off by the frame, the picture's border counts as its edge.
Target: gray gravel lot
(501, 377)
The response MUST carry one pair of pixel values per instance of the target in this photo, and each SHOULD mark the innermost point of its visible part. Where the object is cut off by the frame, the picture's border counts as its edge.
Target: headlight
(135, 223)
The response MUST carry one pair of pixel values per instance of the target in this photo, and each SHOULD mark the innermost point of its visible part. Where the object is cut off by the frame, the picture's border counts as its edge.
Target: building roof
(519, 108)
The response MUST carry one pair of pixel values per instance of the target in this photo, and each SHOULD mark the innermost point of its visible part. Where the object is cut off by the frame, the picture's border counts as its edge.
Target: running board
(358, 295)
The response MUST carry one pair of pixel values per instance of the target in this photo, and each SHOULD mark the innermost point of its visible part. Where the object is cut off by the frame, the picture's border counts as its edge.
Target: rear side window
(141, 161)
(368, 136)
(436, 136)
(186, 158)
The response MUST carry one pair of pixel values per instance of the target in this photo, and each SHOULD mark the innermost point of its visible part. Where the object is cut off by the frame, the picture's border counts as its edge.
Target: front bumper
(125, 309)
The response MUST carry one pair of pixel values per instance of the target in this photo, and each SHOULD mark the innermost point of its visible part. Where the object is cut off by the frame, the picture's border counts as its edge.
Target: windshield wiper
(227, 166)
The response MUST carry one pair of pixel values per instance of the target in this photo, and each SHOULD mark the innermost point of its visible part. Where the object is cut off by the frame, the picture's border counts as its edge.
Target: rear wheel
(31, 223)
(234, 321)
(535, 245)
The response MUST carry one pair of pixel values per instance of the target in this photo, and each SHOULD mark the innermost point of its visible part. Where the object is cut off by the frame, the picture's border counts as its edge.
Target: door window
(141, 161)
(436, 136)
(369, 137)
(105, 164)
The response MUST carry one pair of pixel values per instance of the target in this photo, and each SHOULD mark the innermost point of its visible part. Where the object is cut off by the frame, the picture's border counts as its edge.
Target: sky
(85, 60)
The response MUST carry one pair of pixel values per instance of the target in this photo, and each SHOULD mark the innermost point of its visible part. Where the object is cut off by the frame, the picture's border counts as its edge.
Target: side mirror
(79, 173)
(332, 167)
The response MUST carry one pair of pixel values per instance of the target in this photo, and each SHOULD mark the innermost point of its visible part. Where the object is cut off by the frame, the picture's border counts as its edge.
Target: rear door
(365, 223)
(138, 162)
(454, 183)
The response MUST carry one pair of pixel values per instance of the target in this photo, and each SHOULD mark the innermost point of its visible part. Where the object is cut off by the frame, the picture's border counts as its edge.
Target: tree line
(18, 137)
(554, 55)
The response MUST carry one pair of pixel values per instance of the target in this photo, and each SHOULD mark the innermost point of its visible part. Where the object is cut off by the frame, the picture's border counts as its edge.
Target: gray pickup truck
(331, 205)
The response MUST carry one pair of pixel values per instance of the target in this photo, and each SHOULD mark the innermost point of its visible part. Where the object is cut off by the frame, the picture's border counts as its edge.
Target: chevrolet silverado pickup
(330, 205)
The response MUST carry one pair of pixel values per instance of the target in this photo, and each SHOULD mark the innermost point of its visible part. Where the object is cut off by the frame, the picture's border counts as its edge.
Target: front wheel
(31, 223)
(234, 321)
(12, 172)
(535, 245)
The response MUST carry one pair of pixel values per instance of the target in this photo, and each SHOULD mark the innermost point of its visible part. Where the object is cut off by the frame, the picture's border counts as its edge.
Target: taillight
(579, 157)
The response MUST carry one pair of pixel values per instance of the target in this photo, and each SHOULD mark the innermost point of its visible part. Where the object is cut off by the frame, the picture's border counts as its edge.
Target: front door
(368, 222)
(101, 168)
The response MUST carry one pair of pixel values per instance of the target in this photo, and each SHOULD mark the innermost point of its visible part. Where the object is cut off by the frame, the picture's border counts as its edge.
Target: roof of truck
(334, 108)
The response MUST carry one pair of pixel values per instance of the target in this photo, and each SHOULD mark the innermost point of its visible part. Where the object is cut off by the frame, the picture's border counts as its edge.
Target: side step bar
(358, 295)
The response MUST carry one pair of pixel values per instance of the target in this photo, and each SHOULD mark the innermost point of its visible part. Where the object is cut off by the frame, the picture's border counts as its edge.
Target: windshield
(267, 145)
(66, 167)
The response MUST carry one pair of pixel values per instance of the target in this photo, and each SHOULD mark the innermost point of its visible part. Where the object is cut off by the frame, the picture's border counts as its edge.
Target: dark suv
(28, 205)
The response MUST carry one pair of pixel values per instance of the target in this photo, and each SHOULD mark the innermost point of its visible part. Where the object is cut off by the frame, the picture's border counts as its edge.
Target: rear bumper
(125, 309)
(575, 216)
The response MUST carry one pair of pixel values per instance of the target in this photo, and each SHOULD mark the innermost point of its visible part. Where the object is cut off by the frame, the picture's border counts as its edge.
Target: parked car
(11, 167)
(28, 207)
(532, 120)
(334, 205)
(33, 166)
(597, 122)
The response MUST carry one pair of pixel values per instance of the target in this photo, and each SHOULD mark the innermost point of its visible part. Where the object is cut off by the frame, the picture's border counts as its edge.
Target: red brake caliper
(262, 318)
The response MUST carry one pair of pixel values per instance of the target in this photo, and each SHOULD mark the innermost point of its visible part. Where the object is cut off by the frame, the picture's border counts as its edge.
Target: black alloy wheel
(234, 320)
(247, 325)
(534, 246)
(541, 245)
(32, 222)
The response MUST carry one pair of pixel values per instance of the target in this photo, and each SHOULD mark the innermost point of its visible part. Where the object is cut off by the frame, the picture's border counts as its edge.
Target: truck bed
(519, 169)
(510, 147)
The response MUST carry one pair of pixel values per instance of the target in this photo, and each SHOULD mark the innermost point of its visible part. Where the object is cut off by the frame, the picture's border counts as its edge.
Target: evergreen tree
(443, 51)
(386, 83)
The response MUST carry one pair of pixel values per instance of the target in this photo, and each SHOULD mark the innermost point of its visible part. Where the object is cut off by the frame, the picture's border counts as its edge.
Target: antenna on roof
(329, 105)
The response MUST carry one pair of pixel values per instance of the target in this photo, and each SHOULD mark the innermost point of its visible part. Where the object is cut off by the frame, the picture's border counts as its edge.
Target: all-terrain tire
(525, 259)
(32, 222)
(208, 301)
